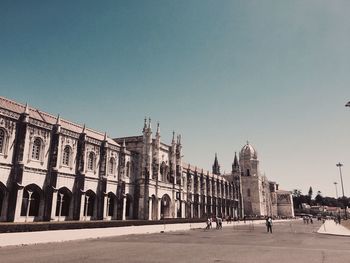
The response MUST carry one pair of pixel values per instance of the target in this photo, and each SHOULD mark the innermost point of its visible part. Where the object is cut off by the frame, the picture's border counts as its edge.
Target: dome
(248, 152)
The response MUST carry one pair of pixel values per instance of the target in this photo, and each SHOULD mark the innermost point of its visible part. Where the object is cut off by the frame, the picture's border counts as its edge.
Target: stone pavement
(291, 242)
(331, 228)
(28, 238)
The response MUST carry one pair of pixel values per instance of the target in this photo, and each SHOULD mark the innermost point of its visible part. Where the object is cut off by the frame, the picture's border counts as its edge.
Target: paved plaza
(290, 242)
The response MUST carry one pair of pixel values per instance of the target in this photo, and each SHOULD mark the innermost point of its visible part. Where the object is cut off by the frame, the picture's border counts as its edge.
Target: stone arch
(32, 202)
(3, 201)
(165, 205)
(64, 201)
(111, 205)
(89, 206)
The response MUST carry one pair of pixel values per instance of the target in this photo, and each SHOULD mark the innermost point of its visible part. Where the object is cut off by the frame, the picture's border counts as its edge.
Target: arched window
(128, 169)
(111, 165)
(2, 140)
(36, 149)
(66, 155)
(91, 161)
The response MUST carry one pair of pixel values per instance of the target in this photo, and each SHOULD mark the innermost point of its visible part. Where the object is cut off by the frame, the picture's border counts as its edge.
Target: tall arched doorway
(3, 197)
(89, 206)
(165, 206)
(111, 205)
(32, 202)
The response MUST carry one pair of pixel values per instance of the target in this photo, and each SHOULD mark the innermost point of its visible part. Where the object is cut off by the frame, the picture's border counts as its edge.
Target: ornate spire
(105, 137)
(158, 130)
(124, 145)
(58, 120)
(145, 125)
(84, 128)
(149, 123)
(216, 166)
(235, 161)
(173, 140)
(26, 109)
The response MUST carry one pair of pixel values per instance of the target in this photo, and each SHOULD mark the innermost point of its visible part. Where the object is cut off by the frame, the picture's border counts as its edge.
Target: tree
(296, 193)
(310, 192)
(319, 198)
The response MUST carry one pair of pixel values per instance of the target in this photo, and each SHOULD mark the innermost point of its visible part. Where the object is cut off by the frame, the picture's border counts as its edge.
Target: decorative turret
(248, 160)
(124, 145)
(173, 140)
(178, 159)
(145, 125)
(147, 149)
(156, 155)
(173, 159)
(158, 132)
(105, 141)
(58, 120)
(84, 129)
(235, 164)
(26, 109)
(216, 166)
(25, 113)
(58, 124)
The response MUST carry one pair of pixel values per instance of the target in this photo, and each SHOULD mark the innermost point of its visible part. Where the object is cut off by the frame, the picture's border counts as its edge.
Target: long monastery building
(52, 169)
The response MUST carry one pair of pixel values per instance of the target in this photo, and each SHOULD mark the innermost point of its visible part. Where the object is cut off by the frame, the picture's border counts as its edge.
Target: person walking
(208, 223)
(269, 224)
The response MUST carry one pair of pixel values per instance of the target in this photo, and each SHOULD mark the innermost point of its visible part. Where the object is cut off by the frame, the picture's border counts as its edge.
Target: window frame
(65, 157)
(111, 166)
(93, 161)
(3, 142)
(37, 150)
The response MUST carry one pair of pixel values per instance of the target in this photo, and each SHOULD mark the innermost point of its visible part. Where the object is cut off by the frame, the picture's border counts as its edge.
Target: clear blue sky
(275, 73)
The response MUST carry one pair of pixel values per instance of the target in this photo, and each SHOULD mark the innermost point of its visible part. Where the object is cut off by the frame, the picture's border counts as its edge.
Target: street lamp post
(339, 165)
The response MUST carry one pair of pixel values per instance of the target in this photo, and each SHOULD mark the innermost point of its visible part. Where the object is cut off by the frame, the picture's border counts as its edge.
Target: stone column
(159, 208)
(199, 207)
(28, 206)
(124, 208)
(150, 209)
(106, 201)
(82, 206)
(191, 210)
(54, 205)
(18, 203)
(183, 208)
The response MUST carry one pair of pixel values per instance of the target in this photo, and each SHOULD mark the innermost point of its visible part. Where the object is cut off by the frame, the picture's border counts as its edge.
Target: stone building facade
(52, 169)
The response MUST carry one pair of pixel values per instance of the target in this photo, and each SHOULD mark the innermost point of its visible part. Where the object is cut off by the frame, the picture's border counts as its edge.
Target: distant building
(261, 197)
